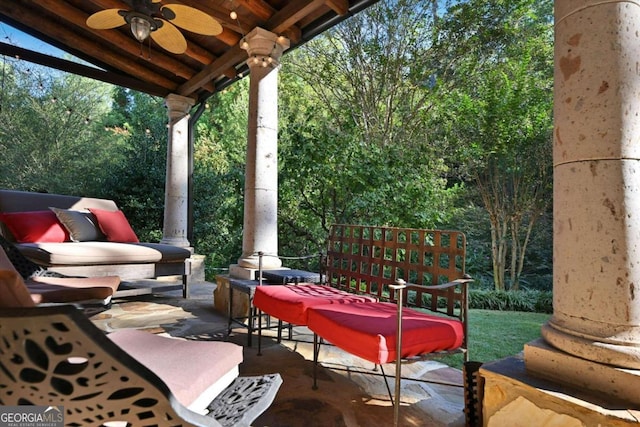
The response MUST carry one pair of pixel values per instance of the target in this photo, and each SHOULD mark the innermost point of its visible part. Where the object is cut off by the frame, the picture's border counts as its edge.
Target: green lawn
(497, 334)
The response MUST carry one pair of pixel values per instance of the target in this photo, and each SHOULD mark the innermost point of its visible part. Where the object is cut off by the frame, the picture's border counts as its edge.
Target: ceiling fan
(151, 18)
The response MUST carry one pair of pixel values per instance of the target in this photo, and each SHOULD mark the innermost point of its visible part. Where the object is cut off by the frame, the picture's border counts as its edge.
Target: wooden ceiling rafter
(293, 12)
(80, 69)
(208, 73)
(341, 7)
(258, 8)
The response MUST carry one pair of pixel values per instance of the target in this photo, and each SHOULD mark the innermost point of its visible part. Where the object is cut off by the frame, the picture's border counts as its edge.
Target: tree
(355, 145)
(499, 96)
(50, 132)
(136, 176)
(220, 150)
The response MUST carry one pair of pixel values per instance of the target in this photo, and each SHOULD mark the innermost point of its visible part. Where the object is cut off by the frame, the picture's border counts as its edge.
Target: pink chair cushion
(290, 302)
(13, 292)
(368, 330)
(188, 368)
(71, 289)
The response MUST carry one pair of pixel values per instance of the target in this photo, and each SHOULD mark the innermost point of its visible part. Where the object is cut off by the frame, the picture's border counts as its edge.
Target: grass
(497, 334)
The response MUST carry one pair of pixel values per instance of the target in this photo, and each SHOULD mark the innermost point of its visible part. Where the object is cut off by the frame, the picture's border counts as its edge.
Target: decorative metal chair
(55, 356)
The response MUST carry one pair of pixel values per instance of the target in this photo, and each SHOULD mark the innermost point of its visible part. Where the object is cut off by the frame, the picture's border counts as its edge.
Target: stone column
(176, 207)
(596, 284)
(260, 232)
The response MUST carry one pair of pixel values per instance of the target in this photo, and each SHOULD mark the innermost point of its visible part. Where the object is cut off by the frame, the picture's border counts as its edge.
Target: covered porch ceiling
(209, 64)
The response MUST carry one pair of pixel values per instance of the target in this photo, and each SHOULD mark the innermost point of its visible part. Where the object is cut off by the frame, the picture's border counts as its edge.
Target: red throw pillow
(115, 226)
(35, 226)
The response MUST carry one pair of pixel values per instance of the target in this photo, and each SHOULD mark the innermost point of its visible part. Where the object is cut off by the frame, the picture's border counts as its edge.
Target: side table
(247, 287)
(289, 276)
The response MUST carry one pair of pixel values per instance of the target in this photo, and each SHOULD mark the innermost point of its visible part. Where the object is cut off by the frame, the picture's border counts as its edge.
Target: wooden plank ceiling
(209, 64)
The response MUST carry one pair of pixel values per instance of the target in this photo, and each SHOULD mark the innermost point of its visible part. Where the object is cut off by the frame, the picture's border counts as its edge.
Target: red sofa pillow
(35, 226)
(115, 226)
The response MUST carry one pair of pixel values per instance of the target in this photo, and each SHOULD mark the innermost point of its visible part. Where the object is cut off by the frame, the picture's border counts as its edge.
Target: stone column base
(515, 397)
(545, 361)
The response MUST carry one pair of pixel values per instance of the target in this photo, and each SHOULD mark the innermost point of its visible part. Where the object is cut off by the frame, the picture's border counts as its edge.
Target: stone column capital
(264, 48)
(178, 106)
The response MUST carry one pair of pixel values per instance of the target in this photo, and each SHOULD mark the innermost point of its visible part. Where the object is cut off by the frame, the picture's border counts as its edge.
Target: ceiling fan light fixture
(140, 28)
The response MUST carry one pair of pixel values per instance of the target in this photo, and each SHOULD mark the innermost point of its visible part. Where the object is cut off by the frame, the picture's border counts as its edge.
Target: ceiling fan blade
(192, 19)
(169, 38)
(106, 19)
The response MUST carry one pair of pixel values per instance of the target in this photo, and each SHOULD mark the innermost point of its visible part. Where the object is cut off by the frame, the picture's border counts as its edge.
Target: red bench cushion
(368, 330)
(290, 302)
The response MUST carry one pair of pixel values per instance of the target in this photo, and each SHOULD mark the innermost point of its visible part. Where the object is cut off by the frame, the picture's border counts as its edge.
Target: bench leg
(316, 351)
(230, 309)
(386, 383)
(260, 331)
(186, 279)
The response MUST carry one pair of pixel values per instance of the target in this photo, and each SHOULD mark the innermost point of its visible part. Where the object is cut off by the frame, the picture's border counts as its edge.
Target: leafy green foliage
(495, 63)
(391, 118)
(219, 152)
(354, 142)
(529, 301)
(136, 176)
(50, 136)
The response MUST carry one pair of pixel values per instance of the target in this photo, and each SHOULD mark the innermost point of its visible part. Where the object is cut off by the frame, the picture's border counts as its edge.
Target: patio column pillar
(596, 284)
(176, 206)
(260, 231)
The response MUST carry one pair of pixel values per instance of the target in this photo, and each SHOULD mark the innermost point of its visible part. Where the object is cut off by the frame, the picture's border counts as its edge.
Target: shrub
(525, 300)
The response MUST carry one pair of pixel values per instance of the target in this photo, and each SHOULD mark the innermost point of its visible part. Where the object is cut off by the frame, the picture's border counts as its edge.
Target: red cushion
(368, 330)
(35, 226)
(115, 226)
(290, 302)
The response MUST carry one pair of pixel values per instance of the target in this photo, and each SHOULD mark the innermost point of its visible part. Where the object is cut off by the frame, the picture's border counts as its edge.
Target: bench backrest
(25, 201)
(367, 259)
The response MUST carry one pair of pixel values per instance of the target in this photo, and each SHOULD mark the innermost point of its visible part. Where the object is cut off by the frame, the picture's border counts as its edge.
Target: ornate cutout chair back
(55, 356)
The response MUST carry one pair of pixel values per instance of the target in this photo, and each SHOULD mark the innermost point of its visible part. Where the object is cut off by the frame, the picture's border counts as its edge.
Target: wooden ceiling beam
(81, 70)
(208, 64)
(294, 11)
(341, 7)
(229, 37)
(258, 8)
(218, 67)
